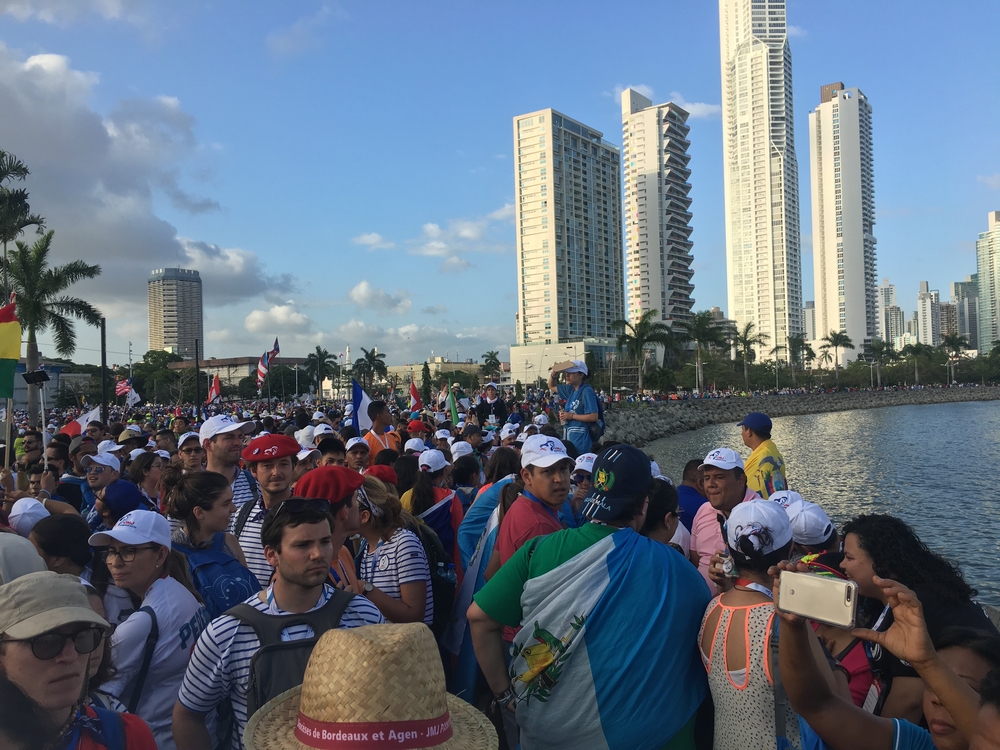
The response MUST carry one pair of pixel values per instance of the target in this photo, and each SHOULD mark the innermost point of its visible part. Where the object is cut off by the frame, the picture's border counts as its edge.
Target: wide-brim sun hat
(373, 679)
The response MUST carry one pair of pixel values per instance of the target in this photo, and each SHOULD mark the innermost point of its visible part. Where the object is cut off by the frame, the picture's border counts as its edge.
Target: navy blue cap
(620, 473)
(756, 421)
(121, 497)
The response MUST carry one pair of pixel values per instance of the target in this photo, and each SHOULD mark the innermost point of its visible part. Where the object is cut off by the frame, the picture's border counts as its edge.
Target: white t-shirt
(117, 603)
(220, 663)
(180, 619)
(400, 560)
(682, 538)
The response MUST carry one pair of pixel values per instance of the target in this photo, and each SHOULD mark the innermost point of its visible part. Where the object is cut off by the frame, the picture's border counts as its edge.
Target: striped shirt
(400, 560)
(253, 549)
(220, 663)
(243, 491)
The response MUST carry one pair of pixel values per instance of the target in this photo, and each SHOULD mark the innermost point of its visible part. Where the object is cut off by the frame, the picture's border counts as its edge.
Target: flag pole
(104, 373)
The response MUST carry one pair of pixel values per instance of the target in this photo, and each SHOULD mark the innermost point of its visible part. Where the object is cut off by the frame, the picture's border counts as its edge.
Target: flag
(265, 363)
(360, 400)
(453, 407)
(133, 397)
(10, 348)
(415, 403)
(215, 392)
(123, 386)
(93, 415)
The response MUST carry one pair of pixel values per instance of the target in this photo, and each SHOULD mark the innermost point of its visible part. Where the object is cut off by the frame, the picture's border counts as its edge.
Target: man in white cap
(508, 434)
(222, 439)
(190, 452)
(358, 454)
(441, 440)
(725, 488)
(579, 403)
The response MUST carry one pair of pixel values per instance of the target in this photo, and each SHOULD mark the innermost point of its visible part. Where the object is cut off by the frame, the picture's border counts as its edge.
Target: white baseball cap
(322, 429)
(165, 455)
(578, 366)
(304, 437)
(318, 415)
(136, 527)
(442, 434)
(488, 436)
(543, 451)
(585, 462)
(355, 442)
(761, 523)
(102, 459)
(220, 424)
(187, 436)
(108, 446)
(432, 461)
(461, 448)
(305, 453)
(508, 430)
(810, 523)
(785, 498)
(25, 514)
(540, 419)
(723, 458)
(654, 469)
(416, 445)
(134, 454)
(349, 409)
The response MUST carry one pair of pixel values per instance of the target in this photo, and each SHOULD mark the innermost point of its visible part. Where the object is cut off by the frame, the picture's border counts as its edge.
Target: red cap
(333, 483)
(386, 473)
(269, 448)
(416, 425)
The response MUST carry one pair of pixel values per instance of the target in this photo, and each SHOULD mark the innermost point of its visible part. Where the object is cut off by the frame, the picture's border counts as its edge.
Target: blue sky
(341, 172)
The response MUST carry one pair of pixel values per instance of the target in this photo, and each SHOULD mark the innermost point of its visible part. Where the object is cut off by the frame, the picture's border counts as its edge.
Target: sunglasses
(191, 451)
(94, 469)
(580, 477)
(127, 554)
(49, 645)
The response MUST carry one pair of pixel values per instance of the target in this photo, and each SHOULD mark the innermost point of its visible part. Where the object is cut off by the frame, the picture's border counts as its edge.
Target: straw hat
(383, 681)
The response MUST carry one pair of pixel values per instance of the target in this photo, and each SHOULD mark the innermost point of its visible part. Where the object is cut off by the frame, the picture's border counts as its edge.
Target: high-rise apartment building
(763, 256)
(569, 230)
(175, 314)
(894, 322)
(949, 318)
(657, 213)
(886, 298)
(965, 297)
(928, 315)
(988, 263)
(809, 320)
(843, 214)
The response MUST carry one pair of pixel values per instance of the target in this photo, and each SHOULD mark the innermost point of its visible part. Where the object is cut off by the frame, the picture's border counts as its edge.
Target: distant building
(912, 326)
(809, 320)
(895, 323)
(231, 370)
(965, 297)
(843, 215)
(949, 319)
(175, 311)
(988, 261)
(886, 299)
(928, 316)
(719, 320)
(903, 340)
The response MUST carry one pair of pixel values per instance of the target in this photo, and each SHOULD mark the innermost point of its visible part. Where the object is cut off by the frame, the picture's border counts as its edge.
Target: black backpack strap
(268, 627)
(244, 514)
(147, 658)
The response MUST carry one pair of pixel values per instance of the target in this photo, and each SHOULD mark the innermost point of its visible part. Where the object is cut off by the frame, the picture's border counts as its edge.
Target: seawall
(639, 424)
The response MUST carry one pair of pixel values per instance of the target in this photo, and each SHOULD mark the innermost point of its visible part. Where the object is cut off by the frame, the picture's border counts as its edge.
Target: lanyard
(545, 507)
(754, 586)
(375, 556)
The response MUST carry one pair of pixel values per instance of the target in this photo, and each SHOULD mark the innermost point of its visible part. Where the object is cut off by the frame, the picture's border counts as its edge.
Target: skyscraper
(928, 316)
(175, 315)
(843, 214)
(965, 296)
(809, 320)
(569, 238)
(895, 323)
(988, 262)
(886, 299)
(657, 209)
(761, 172)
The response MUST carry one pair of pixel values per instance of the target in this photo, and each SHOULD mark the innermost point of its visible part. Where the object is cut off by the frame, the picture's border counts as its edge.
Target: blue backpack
(218, 576)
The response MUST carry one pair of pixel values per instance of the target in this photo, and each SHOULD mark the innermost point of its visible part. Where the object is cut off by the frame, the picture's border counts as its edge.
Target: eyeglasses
(49, 645)
(127, 554)
(191, 451)
(94, 470)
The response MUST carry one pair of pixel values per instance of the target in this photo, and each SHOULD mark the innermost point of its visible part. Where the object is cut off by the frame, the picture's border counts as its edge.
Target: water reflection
(934, 466)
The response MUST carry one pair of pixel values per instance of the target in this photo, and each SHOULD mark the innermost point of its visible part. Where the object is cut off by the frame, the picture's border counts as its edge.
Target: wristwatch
(369, 587)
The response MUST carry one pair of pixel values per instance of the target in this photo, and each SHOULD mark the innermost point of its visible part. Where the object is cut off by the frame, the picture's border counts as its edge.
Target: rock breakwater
(639, 424)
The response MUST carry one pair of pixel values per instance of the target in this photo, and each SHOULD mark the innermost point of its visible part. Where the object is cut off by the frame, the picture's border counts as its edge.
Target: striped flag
(123, 386)
(215, 392)
(10, 348)
(265, 364)
(360, 401)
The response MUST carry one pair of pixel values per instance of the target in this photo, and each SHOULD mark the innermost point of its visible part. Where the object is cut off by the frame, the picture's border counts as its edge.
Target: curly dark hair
(897, 553)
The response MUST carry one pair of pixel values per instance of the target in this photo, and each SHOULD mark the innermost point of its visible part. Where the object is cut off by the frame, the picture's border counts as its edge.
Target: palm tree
(746, 340)
(914, 353)
(15, 215)
(837, 340)
(953, 344)
(799, 352)
(491, 363)
(370, 366)
(882, 351)
(320, 365)
(41, 305)
(635, 339)
(701, 329)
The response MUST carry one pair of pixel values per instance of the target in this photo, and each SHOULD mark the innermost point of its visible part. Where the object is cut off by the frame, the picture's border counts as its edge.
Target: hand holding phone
(833, 601)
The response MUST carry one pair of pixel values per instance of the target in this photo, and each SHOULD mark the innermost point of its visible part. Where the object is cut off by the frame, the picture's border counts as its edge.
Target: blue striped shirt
(220, 663)
(400, 560)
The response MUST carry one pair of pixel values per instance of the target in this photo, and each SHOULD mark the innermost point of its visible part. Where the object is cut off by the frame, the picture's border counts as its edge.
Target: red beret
(416, 425)
(269, 448)
(333, 483)
(386, 473)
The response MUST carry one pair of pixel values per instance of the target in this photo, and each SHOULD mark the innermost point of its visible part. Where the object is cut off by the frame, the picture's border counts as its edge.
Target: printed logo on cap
(126, 522)
(604, 480)
(271, 451)
(550, 445)
(717, 455)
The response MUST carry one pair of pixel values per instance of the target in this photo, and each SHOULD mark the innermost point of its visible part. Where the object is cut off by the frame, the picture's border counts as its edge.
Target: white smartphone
(829, 600)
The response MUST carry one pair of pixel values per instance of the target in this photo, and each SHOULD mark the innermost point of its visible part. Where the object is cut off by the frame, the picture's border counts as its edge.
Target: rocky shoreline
(639, 424)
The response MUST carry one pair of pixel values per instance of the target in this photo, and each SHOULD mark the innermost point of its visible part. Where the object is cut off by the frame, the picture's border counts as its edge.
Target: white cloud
(372, 298)
(279, 318)
(464, 236)
(697, 110)
(796, 31)
(435, 310)
(63, 12)
(373, 241)
(992, 180)
(303, 35)
(232, 274)
(619, 89)
(454, 263)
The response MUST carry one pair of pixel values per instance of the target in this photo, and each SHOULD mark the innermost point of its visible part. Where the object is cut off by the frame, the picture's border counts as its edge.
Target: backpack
(442, 587)
(112, 727)
(248, 507)
(218, 576)
(596, 428)
(281, 665)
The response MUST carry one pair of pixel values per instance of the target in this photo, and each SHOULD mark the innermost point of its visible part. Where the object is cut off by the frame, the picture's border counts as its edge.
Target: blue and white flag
(360, 400)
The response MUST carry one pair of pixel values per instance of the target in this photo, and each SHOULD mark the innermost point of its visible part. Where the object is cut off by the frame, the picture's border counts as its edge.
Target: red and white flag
(415, 403)
(123, 386)
(265, 364)
(215, 392)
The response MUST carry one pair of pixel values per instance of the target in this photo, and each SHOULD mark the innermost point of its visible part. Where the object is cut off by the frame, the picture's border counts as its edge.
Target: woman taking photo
(392, 565)
(151, 648)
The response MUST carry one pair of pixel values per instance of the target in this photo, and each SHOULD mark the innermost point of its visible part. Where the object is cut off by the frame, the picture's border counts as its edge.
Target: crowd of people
(504, 579)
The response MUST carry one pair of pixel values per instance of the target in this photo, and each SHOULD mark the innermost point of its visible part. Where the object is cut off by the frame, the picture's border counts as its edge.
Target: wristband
(504, 699)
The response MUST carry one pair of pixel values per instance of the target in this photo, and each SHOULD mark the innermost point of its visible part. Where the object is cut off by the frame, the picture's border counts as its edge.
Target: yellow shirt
(765, 470)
